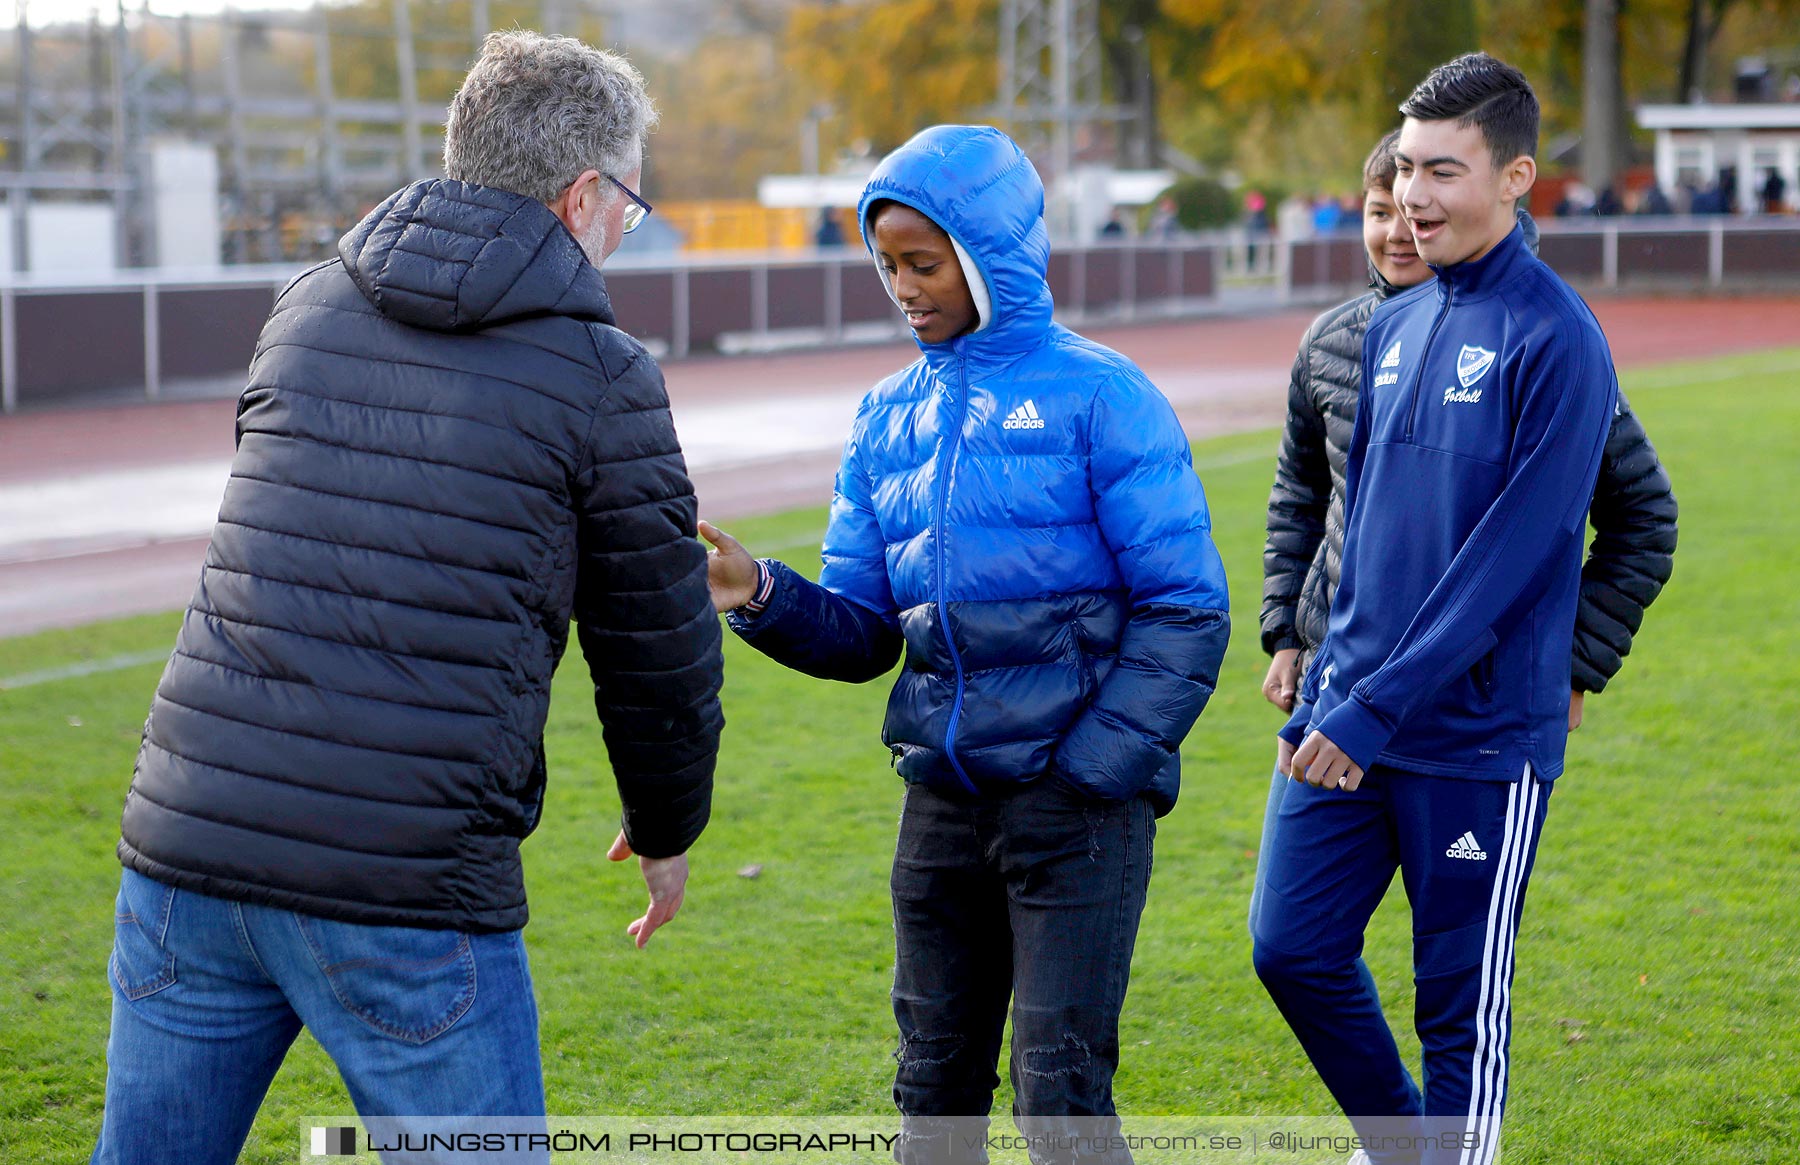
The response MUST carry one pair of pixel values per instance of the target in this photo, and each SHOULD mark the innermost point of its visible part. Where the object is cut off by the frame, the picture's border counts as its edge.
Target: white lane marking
(120, 509)
(91, 667)
(38, 519)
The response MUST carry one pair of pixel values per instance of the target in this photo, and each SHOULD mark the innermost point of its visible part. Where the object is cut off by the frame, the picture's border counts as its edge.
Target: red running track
(1224, 375)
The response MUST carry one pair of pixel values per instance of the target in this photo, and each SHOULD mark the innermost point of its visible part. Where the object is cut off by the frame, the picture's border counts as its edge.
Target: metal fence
(139, 329)
(162, 333)
(169, 332)
(1608, 254)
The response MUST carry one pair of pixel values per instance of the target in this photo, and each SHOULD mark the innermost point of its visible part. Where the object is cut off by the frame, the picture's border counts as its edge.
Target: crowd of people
(1691, 197)
(1301, 215)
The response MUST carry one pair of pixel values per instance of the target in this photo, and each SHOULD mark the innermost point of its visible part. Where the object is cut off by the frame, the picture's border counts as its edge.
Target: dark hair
(1475, 89)
(1380, 170)
(880, 206)
(875, 209)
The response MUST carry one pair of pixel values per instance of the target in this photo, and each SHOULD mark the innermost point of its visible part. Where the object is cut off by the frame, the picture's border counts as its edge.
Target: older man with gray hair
(446, 449)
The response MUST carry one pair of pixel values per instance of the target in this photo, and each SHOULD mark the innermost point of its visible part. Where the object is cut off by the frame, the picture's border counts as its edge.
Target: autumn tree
(1130, 78)
(1760, 24)
(892, 67)
(730, 114)
(364, 63)
(1406, 39)
(1283, 93)
(1265, 88)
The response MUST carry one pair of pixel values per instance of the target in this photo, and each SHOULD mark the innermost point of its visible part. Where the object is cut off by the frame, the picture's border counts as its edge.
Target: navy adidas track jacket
(1486, 400)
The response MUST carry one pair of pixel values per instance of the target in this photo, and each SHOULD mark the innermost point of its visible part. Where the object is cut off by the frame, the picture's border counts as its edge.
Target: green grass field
(1658, 971)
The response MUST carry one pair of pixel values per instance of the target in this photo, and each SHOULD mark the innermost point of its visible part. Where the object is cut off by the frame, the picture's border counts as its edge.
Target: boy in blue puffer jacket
(1018, 508)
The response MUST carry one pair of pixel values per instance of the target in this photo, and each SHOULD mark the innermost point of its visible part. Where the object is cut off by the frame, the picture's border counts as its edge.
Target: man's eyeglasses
(637, 212)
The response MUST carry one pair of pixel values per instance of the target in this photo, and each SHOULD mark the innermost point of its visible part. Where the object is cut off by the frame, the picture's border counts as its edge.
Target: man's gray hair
(535, 111)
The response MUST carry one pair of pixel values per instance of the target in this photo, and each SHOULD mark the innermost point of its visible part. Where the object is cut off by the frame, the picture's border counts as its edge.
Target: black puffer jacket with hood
(1633, 511)
(445, 448)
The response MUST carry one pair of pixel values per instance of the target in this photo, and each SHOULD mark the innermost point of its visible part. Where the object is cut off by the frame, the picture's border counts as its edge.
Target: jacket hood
(455, 257)
(978, 186)
(1387, 290)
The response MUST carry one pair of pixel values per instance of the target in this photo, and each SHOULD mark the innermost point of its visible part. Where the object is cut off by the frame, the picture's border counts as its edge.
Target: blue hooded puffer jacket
(1020, 506)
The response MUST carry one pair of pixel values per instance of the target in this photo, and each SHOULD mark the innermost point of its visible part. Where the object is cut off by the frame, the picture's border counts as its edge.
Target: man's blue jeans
(209, 994)
(1032, 898)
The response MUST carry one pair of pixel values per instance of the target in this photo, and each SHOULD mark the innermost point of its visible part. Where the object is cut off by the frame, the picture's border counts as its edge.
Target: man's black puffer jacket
(445, 448)
(1633, 511)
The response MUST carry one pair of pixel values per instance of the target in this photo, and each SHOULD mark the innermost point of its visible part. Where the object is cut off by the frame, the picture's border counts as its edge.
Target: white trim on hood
(978, 288)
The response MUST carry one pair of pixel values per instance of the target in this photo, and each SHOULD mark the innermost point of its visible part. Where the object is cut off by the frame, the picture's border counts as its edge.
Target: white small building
(1694, 142)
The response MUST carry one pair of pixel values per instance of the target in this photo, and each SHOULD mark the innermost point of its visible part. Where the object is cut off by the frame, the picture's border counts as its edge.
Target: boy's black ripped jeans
(1031, 899)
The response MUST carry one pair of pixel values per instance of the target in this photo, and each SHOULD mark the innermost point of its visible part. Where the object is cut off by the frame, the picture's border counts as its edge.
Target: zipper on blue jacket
(1419, 378)
(945, 464)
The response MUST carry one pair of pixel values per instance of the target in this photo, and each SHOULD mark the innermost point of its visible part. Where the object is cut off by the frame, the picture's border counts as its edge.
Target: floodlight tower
(1050, 77)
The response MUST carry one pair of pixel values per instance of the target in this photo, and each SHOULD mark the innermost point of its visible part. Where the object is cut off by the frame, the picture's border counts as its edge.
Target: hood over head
(978, 186)
(455, 257)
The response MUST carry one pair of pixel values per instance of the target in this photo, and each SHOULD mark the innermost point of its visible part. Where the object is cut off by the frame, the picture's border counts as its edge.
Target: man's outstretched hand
(667, 880)
(731, 573)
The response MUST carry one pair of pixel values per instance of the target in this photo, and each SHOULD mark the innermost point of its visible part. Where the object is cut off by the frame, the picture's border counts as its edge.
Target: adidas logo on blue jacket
(1023, 417)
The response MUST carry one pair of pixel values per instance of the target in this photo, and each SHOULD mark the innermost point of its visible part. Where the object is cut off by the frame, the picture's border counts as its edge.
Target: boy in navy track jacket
(1018, 510)
(1434, 717)
(1633, 514)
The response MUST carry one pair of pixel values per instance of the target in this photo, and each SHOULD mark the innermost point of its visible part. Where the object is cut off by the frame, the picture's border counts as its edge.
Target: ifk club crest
(1472, 364)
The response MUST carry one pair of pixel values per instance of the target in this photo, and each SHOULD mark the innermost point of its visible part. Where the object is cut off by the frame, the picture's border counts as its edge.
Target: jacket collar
(1378, 283)
(1483, 275)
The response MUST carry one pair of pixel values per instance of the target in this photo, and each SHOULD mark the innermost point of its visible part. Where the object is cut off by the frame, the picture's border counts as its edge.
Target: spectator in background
(1687, 192)
(1294, 218)
(1608, 204)
(1325, 215)
(1256, 224)
(1577, 200)
(1165, 222)
(1654, 201)
(828, 233)
(1774, 193)
(1113, 230)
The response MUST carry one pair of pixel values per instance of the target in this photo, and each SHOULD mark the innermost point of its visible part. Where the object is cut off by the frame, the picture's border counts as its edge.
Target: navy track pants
(1464, 849)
